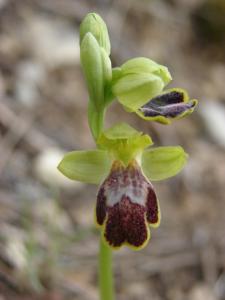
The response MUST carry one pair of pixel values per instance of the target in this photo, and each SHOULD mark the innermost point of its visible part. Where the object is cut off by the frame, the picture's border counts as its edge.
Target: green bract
(124, 143)
(94, 24)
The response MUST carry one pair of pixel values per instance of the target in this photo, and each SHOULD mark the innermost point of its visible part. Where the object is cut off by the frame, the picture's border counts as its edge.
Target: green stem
(96, 119)
(105, 272)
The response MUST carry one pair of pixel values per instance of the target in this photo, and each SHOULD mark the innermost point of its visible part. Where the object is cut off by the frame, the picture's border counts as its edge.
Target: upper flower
(126, 200)
(138, 84)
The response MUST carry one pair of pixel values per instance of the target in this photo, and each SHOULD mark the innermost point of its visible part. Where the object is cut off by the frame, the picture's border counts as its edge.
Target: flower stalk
(106, 284)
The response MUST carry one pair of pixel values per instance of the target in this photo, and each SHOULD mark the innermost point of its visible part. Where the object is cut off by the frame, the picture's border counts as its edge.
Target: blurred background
(48, 243)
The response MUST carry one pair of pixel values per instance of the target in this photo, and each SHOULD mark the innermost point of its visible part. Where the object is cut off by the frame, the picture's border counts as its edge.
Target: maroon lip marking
(126, 201)
(101, 207)
(152, 207)
(126, 223)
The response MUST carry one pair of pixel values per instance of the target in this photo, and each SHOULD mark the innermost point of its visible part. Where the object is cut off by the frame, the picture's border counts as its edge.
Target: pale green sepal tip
(164, 74)
(91, 60)
(146, 65)
(94, 23)
(139, 64)
(121, 131)
(163, 162)
(86, 166)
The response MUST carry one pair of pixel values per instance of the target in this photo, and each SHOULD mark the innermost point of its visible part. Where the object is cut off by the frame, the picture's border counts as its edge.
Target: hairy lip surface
(126, 202)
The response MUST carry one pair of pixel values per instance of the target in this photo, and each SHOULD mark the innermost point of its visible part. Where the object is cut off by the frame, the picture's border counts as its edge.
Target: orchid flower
(138, 84)
(124, 167)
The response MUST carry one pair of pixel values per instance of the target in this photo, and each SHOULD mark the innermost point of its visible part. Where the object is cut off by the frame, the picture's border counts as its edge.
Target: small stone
(30, 76)
(202, 292)
(213, 114)
(45, 167)
(53, 42)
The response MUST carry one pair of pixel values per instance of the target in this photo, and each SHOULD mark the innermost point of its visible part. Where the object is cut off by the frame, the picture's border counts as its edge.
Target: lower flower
(124, 166)
(126, 206)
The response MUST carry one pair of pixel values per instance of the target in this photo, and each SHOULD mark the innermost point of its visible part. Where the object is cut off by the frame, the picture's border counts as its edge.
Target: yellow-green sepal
(146, 65)
(163, 162)
(124, 142)
(94, 24)
(138, 80)
(134, 90)
(86, 166)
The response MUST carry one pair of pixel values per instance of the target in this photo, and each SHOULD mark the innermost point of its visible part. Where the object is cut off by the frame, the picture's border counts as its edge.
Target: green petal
(163, 162)
(87, 166)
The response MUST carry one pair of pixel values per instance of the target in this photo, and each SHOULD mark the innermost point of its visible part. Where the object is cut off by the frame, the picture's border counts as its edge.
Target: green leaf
(87, 166)
(94, 24)
(91, 59)
(163, 162)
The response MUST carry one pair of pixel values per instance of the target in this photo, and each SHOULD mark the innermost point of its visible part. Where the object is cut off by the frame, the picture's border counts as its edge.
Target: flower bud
(94, 24)
(91, 60)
